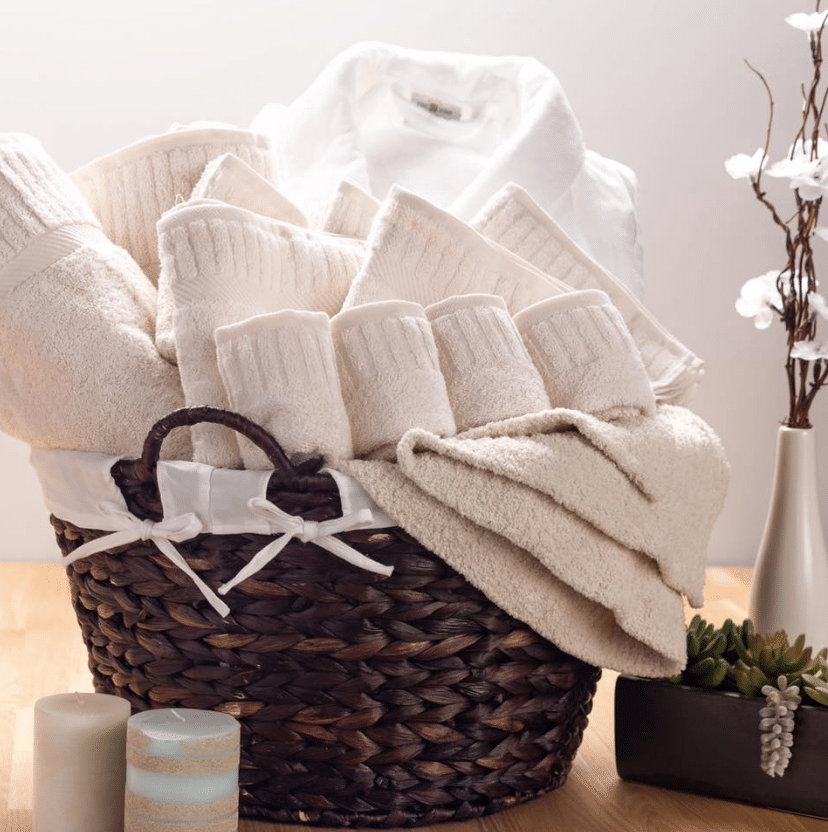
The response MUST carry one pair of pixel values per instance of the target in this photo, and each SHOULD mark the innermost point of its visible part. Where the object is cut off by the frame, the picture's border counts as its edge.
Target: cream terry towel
(222, 265)
(351, 212)
(522, 585)
(489, 374)
(618, 512)
(417, 252)
(229, 179)
(279, 370)
(79, 368)
(586, 356)
(513, 219)
(130, 189)
(390, 373)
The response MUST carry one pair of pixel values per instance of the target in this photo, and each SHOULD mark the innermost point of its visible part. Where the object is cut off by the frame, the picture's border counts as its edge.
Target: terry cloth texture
(390, 375)
(79, 368)
(351, 212)
(279, 370)
(454, 129)
(130, 189)
(489, 374)
(222, 265)
(513, 219)
(417, 252)
(229, 179)
(602, 525)
(583, 350)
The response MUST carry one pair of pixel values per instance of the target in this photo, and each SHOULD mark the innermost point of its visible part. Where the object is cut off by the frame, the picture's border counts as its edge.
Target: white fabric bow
(307, 531)
(128, 529)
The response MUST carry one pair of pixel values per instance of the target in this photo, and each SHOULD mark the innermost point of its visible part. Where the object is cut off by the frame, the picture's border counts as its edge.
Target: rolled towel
(280, 371)
(489, 374)
(222, 265)
(130, 189)
(586, 356)
(419, 253)
(78, 366)
(390, 374)
(229, 179)
(513, 219)
(351, 212)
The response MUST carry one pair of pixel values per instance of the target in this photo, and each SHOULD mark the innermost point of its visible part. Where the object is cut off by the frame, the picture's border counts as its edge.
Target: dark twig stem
(797, 279)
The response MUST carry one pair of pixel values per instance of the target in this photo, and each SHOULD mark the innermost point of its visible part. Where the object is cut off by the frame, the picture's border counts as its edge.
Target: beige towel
(583, 349)
(229, 179)
(622, 631)
(222, 265)
(390, 374)
(130, 189)
(419, 253)
(351, 212)
(78, 367)
(513, 219)
(489, 374)
(619, 512)
(279, 370)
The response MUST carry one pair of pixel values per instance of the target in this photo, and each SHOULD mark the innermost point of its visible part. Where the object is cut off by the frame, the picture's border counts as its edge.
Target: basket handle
(285, 473)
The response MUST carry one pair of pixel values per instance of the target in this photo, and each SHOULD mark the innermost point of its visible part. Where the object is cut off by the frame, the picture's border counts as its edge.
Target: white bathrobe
(453, 129)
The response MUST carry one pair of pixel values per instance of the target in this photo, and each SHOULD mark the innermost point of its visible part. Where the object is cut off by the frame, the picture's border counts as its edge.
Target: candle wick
(177, 715)
(80, 698)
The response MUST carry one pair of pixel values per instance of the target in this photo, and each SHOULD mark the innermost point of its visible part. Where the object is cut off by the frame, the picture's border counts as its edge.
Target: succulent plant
(762, 659)
(735, 657)
(776, 726)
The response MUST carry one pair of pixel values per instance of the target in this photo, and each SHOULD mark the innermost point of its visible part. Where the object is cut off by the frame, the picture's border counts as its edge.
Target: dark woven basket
(364, 700)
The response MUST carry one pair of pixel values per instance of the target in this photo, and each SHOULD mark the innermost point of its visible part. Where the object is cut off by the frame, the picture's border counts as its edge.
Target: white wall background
(657, 85)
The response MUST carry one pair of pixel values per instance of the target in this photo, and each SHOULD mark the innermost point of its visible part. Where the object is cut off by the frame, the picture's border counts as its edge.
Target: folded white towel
(583, 349)
(417, 252)
(229, 179)
(351, 212)
(513, 219)
(279, 370)
(223, 265)
(130, 189)
(78, 366)
(489, 374)
(390, 374)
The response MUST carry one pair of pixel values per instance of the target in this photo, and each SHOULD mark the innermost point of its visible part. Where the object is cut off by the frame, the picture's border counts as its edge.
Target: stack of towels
(413, 290)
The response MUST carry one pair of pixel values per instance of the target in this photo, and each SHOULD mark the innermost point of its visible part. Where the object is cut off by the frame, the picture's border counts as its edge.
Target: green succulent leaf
(715, 647)
(693, 645)
(742, 652)
(758, 678)
(716, 676)
(819, 695)
(703, 667)
(744, 684)
(767, 661)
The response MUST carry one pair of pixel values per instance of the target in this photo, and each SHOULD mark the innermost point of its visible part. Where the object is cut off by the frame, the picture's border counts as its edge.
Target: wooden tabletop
(41, 652)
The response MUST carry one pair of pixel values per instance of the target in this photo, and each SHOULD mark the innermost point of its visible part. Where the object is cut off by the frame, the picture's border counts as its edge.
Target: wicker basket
(364, 700)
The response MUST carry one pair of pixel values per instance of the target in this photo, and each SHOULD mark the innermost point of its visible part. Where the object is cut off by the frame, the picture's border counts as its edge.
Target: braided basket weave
(364, 700)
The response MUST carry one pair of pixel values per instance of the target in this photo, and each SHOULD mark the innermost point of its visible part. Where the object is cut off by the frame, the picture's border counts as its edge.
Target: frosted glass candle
(79, 763)
(182, 771)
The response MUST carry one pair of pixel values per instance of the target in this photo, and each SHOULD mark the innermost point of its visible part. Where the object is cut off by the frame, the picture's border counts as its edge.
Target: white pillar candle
(79, 763)
(182, 771)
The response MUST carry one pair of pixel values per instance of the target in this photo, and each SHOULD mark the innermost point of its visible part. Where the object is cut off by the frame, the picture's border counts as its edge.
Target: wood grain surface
(41, 652)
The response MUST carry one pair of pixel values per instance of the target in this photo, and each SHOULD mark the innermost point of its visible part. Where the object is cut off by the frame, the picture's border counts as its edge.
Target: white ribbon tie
(129, 529)
(320, 533)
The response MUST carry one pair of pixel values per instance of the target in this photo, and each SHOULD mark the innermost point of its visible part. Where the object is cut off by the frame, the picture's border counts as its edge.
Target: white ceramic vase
(790, 581)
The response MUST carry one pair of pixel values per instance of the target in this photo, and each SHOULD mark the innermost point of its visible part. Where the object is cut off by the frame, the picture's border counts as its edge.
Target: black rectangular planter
(707, 742)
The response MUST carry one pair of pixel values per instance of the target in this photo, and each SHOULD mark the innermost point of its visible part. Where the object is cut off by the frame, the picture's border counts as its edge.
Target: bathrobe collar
(321, 139)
